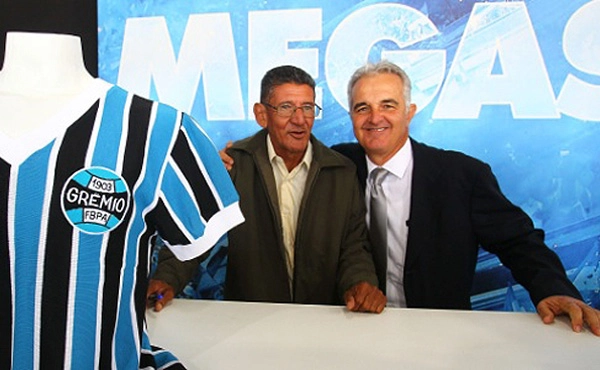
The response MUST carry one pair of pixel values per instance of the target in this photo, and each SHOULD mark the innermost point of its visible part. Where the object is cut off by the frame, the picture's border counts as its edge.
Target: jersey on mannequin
(90, 175)
(42, 72)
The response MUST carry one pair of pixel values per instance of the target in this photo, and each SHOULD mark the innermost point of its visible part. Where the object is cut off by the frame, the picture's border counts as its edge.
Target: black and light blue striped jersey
(81, 201)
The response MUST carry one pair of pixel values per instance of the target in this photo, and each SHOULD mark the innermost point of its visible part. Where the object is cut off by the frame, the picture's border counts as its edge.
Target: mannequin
(28, 99)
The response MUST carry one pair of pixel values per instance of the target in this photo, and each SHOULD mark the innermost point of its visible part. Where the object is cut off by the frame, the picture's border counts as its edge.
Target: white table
(235, 335)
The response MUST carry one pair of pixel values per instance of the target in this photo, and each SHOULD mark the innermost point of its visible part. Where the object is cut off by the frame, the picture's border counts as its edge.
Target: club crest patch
(95, 200)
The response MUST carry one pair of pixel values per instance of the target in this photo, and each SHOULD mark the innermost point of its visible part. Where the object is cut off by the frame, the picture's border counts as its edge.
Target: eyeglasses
(287, 110)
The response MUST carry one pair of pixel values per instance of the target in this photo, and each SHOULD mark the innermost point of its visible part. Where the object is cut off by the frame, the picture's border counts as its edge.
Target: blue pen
(152, 298)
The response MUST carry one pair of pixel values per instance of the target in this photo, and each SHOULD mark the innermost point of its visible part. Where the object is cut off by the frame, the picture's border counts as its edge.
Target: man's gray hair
(380, 67)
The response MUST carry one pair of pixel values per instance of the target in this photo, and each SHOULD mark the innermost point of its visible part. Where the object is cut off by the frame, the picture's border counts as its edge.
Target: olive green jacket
(332, 252)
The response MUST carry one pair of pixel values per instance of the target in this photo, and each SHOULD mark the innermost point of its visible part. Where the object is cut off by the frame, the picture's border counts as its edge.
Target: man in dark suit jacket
(453, 206)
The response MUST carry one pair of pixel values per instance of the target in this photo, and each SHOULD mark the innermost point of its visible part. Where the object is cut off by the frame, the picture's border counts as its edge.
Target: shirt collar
(306, 160)
(399, 162)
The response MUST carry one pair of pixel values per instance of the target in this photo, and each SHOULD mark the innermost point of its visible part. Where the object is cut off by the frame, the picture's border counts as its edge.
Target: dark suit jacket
(457, 206)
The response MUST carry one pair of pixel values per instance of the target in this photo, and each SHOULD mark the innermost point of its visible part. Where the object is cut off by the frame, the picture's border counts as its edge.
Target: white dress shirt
(397, 189)
(290, 189)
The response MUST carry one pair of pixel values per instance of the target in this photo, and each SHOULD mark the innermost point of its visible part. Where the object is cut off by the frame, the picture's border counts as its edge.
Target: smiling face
(289, 135)
(380, 117)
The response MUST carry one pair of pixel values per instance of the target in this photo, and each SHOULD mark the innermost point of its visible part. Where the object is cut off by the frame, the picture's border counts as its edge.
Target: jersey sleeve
(198, 203)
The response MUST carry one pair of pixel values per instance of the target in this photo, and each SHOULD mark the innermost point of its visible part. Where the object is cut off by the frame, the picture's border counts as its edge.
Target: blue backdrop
(514, 83)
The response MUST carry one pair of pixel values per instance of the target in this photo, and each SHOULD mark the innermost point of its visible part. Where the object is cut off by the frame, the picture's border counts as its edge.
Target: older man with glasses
(305, 238)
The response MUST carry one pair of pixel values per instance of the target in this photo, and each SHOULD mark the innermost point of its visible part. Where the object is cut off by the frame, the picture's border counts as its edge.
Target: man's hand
(227, 160)
(578, 312)
(159, 294)
(364, 297)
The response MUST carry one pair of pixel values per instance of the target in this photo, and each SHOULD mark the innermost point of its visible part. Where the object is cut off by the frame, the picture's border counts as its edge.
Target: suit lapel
(425, 203)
